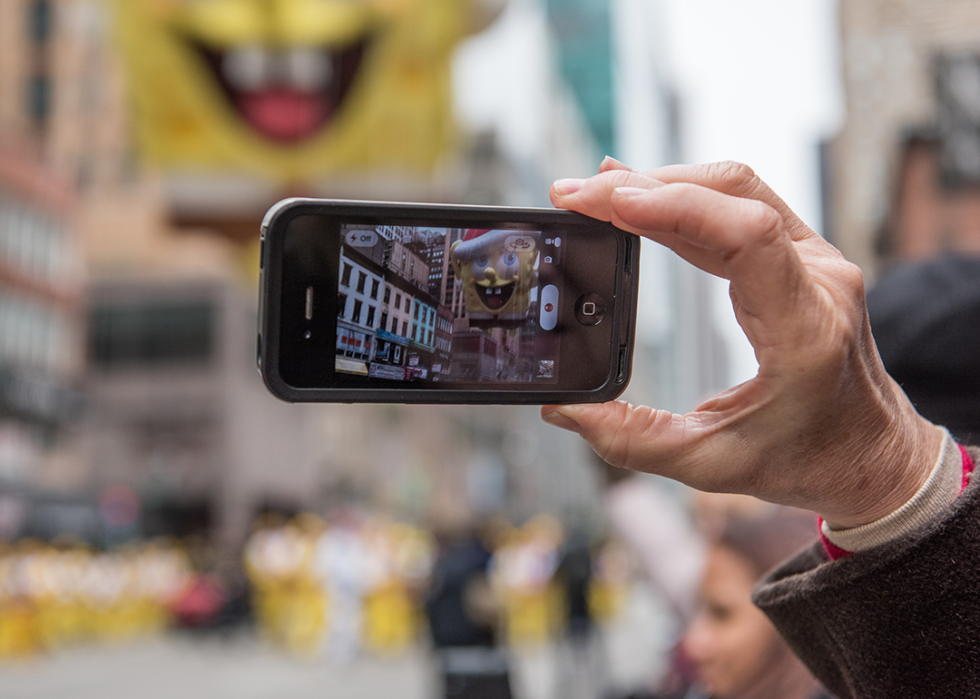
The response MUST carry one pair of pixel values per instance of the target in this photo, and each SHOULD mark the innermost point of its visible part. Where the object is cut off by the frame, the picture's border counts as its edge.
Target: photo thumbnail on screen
(462, 305)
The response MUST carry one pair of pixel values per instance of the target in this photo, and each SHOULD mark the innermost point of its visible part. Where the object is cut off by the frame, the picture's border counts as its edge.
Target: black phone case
(270, 296)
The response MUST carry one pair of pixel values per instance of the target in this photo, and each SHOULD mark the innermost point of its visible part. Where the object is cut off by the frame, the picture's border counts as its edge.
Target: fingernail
(559, 419)
(569, 186)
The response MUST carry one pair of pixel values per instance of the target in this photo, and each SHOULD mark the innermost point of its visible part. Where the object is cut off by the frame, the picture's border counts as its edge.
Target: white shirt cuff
(940, 489)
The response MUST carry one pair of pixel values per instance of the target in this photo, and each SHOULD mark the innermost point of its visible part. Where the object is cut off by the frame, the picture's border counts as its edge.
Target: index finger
(728, 177)
(741, 240)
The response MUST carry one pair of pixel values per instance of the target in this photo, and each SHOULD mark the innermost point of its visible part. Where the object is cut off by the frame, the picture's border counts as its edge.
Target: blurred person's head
(546, 529)
(737, 651)
(714, 510)
(451, 526)
(494, 531)
(926, 322)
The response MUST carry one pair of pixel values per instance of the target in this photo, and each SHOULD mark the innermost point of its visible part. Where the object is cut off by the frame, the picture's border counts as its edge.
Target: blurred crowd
(313, 586)
(349, 582)
(352, 582)
(52, 595)
(337, 585)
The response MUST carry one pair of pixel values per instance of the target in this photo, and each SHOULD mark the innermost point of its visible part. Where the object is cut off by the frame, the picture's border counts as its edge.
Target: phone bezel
(616, 283)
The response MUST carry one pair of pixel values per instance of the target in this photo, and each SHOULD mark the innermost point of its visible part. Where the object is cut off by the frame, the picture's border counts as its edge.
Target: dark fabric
(574, 574)
(450, 623)
(925, 317)
(900, 621)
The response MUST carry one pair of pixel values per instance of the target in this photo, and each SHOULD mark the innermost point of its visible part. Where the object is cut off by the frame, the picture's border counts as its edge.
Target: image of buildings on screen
(441, 304)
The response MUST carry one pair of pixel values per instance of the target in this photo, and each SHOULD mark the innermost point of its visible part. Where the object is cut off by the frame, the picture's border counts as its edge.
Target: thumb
(620, 433)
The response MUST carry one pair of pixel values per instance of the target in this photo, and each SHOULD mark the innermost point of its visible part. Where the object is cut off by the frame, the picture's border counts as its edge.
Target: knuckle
(763, 219)
(848, 279)
(852, 278)
(612, 441)
(626, 178)
(614, 449)
(733, 175)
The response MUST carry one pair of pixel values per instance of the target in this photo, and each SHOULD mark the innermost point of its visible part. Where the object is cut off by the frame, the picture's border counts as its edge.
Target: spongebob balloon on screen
(497, 270)
(292, 90)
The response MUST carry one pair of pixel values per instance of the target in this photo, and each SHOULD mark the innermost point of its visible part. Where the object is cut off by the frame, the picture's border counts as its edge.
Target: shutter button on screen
(590, 309)
(549, 307)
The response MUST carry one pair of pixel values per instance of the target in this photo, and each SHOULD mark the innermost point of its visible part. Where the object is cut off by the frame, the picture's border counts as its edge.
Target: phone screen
(435, 304)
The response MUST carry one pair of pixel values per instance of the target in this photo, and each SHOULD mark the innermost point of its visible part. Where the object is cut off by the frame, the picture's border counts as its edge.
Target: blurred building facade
(906, 165)
(163, 344)
(680, 357)
(160, 312)
(41, 332)
(177, 412)
(41, 271)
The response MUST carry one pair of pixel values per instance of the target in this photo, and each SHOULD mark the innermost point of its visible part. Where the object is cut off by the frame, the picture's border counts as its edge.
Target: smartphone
(425, 303)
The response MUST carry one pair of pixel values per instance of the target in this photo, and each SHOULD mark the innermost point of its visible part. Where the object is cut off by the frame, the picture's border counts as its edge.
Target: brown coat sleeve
(900, 620)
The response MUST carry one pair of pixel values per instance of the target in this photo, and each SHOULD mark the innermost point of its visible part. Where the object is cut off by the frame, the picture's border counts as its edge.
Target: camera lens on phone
(590, 309)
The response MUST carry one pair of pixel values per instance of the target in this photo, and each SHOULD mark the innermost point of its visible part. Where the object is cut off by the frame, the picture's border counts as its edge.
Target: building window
(374, 288)
(356, 317)
(429, 340)
(416, 313)
(404, 328)
(345, 277)
(40, 21)
(342, 302)
(39, 98)
(387, 294)
(154, 333)
(370, 316)
(384, 321)
(361, 279)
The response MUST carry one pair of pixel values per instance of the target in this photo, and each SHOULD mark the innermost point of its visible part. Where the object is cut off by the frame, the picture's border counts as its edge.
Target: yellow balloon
(291, 90)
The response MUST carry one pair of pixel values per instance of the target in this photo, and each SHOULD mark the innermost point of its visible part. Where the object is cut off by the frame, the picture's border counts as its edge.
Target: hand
(822, 426)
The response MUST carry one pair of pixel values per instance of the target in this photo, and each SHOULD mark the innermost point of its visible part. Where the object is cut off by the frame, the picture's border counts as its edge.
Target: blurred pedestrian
(342, 560)
(522, 572)
(463, 616)
(736, 650)
(581, 665)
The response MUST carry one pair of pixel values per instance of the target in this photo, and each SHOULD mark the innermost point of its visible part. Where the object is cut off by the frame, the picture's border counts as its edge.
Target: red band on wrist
(968, 467)
(833, 550)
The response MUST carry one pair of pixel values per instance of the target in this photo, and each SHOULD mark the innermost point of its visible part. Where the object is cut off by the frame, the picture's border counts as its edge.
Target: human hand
(822, 426)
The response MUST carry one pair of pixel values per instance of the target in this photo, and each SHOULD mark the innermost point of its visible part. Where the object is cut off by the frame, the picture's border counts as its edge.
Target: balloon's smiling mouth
(495, 297)
(290, 94)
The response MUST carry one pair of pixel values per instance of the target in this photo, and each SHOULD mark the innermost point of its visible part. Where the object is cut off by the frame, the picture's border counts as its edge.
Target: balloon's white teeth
(254, 68)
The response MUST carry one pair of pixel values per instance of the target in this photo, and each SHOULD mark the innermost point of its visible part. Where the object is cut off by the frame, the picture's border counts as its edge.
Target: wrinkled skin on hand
(822, 426)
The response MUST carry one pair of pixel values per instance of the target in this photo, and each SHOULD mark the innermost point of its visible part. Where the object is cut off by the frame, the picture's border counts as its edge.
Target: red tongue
(493, 301)
(284, 115)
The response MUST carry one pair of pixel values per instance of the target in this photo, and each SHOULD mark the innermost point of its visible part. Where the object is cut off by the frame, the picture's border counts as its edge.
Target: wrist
(943, 486)
(901, 464)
